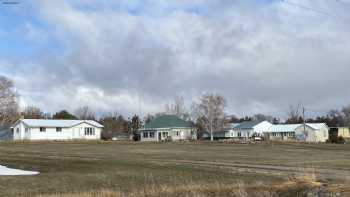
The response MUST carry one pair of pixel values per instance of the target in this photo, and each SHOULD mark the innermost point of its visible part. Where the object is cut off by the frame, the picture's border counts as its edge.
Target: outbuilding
(312, 132)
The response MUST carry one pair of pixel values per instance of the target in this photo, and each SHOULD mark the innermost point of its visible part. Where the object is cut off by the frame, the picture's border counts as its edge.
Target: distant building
(121, 136)
(40, 129)
(168, 127)
(281, 132)
(335, 132)
(311, 132)
(249, 129)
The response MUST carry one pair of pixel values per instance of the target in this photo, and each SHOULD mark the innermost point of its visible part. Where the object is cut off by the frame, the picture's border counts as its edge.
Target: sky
(128, 56)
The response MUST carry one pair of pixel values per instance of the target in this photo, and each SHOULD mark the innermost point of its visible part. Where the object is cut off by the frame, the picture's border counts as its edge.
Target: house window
(42, 129)
(165, 134)
(151, 134)
(177, 133)
(89, 131)
(26, 130)
(145, 134)
(58, 129)
(17, 130)
(239, 134)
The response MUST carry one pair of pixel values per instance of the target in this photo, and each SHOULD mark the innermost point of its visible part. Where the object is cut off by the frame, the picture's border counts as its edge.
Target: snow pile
(5, 171)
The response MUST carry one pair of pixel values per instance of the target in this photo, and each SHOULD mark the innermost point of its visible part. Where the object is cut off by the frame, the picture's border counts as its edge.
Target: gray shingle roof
(167, 121)
(247, 125)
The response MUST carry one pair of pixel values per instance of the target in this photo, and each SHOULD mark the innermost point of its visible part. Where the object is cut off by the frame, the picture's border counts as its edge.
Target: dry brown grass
(173, 169)
(238, 189)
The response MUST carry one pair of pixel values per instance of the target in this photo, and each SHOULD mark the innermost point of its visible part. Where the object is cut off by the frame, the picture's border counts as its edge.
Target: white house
(311, 132)
(168, 127)
(249, 129)
(281, 132)
(40, 129)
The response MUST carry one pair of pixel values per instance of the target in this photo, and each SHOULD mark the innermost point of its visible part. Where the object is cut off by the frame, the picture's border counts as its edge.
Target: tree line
(207, 113)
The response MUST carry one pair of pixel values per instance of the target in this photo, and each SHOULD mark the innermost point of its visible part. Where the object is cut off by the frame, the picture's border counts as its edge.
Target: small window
(151, 134)
(17, 130)
(42, 129)
(145, 135)
(177, 133)
(89, 131)
(58, 129)
(26, 130)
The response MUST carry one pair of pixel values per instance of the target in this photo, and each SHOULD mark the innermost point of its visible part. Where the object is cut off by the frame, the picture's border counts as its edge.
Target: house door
(159, 136)
(76, 133)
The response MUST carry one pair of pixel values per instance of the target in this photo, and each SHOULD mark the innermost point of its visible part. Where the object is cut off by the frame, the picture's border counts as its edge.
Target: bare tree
(210, 112)
(32, 112)
(85, 113)
(263, 117)
(148, 118)
(8, 102)
(346, 115)
(177, 108)
(294, 115)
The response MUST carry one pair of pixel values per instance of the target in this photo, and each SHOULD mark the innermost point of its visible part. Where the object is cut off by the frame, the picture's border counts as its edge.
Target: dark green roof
(247, 124)
(167, 121)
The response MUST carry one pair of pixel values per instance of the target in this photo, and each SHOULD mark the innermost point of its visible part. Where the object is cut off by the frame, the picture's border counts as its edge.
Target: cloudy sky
(262, 55)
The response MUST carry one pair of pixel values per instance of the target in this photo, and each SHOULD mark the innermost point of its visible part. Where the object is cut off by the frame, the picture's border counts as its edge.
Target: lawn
(76, 168)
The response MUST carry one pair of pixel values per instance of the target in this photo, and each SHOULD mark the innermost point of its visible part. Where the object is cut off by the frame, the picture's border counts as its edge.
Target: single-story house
(249, 129)
(281, 132)
(42, 129)
(168, 127)
(312, 132)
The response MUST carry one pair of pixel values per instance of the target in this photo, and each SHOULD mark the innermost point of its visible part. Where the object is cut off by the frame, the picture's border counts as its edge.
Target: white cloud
(261, 57)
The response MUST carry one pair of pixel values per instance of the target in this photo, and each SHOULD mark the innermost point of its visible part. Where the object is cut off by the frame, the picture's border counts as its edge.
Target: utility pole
(304, 119)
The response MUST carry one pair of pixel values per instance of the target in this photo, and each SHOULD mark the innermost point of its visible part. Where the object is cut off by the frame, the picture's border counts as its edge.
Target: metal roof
(293, 127)
(317, 126)
(247, 125)
(284, 127)
(168, 121)
(58, 123)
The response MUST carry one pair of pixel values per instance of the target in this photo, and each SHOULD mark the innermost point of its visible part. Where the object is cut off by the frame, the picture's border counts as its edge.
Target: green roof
(167, 121)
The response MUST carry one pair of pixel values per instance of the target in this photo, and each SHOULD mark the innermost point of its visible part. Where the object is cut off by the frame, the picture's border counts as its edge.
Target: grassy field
(175, 169)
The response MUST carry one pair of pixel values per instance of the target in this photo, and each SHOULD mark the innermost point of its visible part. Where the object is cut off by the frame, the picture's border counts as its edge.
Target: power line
(343, 2)
(306, 7)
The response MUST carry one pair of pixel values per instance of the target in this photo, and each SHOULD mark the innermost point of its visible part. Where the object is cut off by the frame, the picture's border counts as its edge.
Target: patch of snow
(5, 171)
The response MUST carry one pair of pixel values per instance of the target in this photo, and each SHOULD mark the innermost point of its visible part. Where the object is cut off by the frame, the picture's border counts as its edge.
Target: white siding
(243, 133)
(175, 134)
(312, 135)
(262, 127)
(67, 133)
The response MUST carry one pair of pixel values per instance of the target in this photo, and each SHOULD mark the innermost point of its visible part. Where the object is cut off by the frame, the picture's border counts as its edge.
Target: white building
(168, 127)
(249, 129)
(39, 129)
(281, 132)
(311, 132)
